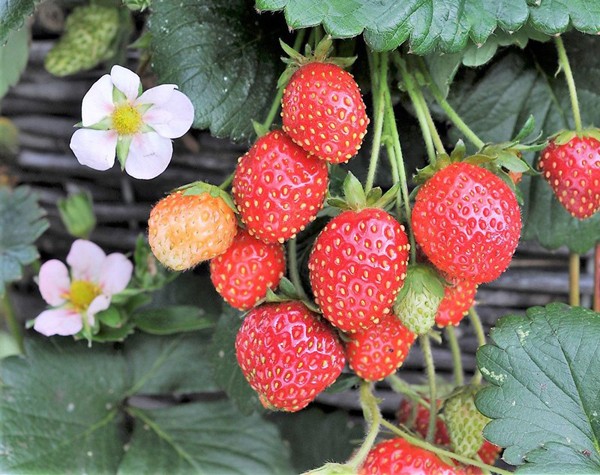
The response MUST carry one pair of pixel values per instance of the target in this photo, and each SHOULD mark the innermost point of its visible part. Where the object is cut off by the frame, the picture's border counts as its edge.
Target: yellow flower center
(82, 293)
(126, 119)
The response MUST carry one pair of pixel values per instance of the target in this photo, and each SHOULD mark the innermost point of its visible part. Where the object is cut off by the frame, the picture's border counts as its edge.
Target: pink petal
(115, 273)
(126, 81)
(86, 260)
(173, 118)
(102, 302)
(149, 155)
(97, 102)
(58, 321)
(54, 282)
(95, 148)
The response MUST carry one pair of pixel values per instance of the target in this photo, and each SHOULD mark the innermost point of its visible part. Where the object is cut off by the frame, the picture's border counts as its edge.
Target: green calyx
(321, 54)
(418, 301)
(565, 136)
(356, 199)
(199, 187)
(286, 292)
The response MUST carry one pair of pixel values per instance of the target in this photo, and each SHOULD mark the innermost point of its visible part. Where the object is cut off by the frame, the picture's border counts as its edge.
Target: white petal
(158, 95)
(115, 273)
(126, 81)
(149, 155)
(102, 302)
(95, 148)
(58, 321)
(97, 102)
(54, 282)
(85, 259)
(173, 118)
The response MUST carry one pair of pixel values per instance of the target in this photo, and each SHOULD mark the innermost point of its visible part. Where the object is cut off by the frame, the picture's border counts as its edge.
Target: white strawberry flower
(119, 120)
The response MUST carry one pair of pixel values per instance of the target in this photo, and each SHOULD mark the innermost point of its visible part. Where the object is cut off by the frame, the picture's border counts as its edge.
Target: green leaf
(169, 320)
(428, 25)
(316, 437)
(21, 223)
(204, 438)
(544, 390)
(219, 56)
(13, 58)
(227, 372)
(13, 14)
(496, 105)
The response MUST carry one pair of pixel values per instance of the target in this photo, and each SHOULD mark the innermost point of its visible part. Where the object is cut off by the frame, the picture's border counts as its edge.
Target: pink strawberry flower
(118, 119)
(77, 296)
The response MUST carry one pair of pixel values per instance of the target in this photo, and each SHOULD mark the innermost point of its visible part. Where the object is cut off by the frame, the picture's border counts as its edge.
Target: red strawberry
(458, 299)
(288, 354)
(467, 221)
(323, 111)
(399, 457)
(278, 188)
(357, 266)
(184, 230)
(380, 350)
(573, 171)
(244, 272)
(416, 417)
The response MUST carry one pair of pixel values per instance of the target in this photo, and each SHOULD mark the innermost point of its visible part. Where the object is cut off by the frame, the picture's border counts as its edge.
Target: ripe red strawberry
(244, 272)
(184, 230)
(467, 221)
(380, 350)
(573, 171)
(416, 417)
(288, 354)
(278, 188)
(458, 299)
(323, 112)
(357, 266)
(399, 457)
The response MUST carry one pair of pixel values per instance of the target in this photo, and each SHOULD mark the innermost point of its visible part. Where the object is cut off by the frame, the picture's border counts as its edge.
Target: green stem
(563, 61)
(430, 369)
(227, 181)
(480, 333)
(373, 416)
(392, 129)
(11, 320)
(574, 271)
(395, 173)
(379, 80)
(449, 110)
(441, 452)
(293, 269)
(401, 387)
(459, 377)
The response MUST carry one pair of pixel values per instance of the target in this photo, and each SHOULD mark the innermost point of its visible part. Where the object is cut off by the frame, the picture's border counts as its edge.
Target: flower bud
(77, 214)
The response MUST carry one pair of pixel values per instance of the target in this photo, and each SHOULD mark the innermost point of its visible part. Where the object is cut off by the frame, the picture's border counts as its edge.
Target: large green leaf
(62, 411)
(13, 58)
(218, 54)
(21, 223)
(544, 393)
(497, 103)
(446, 25)
(205, 438)
(12, 15)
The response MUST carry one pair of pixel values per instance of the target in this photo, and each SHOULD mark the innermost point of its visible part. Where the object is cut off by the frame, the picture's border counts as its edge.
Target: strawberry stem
(378, 63)
(400, 386)
(293, 269)
(441, 452)
(370, 407)
(227, 181)
(448, 109)
(563, 62)
(12, 322)
(459, 377)
(430, 369)
(481, 340)
(574, 271)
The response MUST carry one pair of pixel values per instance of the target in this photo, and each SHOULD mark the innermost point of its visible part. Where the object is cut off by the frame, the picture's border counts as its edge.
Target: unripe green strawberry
(89, 33)
(288, 354)
(419, 299)
(464, 421)
(186, 229)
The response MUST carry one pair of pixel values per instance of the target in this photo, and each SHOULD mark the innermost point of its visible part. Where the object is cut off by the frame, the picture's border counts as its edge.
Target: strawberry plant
(396, 156)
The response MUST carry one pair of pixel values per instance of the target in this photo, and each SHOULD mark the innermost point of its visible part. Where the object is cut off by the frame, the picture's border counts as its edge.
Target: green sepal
(354, 192)
(104, 124)
(336, 202)
(117, 96)
(200, 187)
(526, 130)
(259, 128)
(384, 200)
(374, 195)
(564, 136)
(108, 334)
(421, 278)
(111, 317)
(123, 144)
